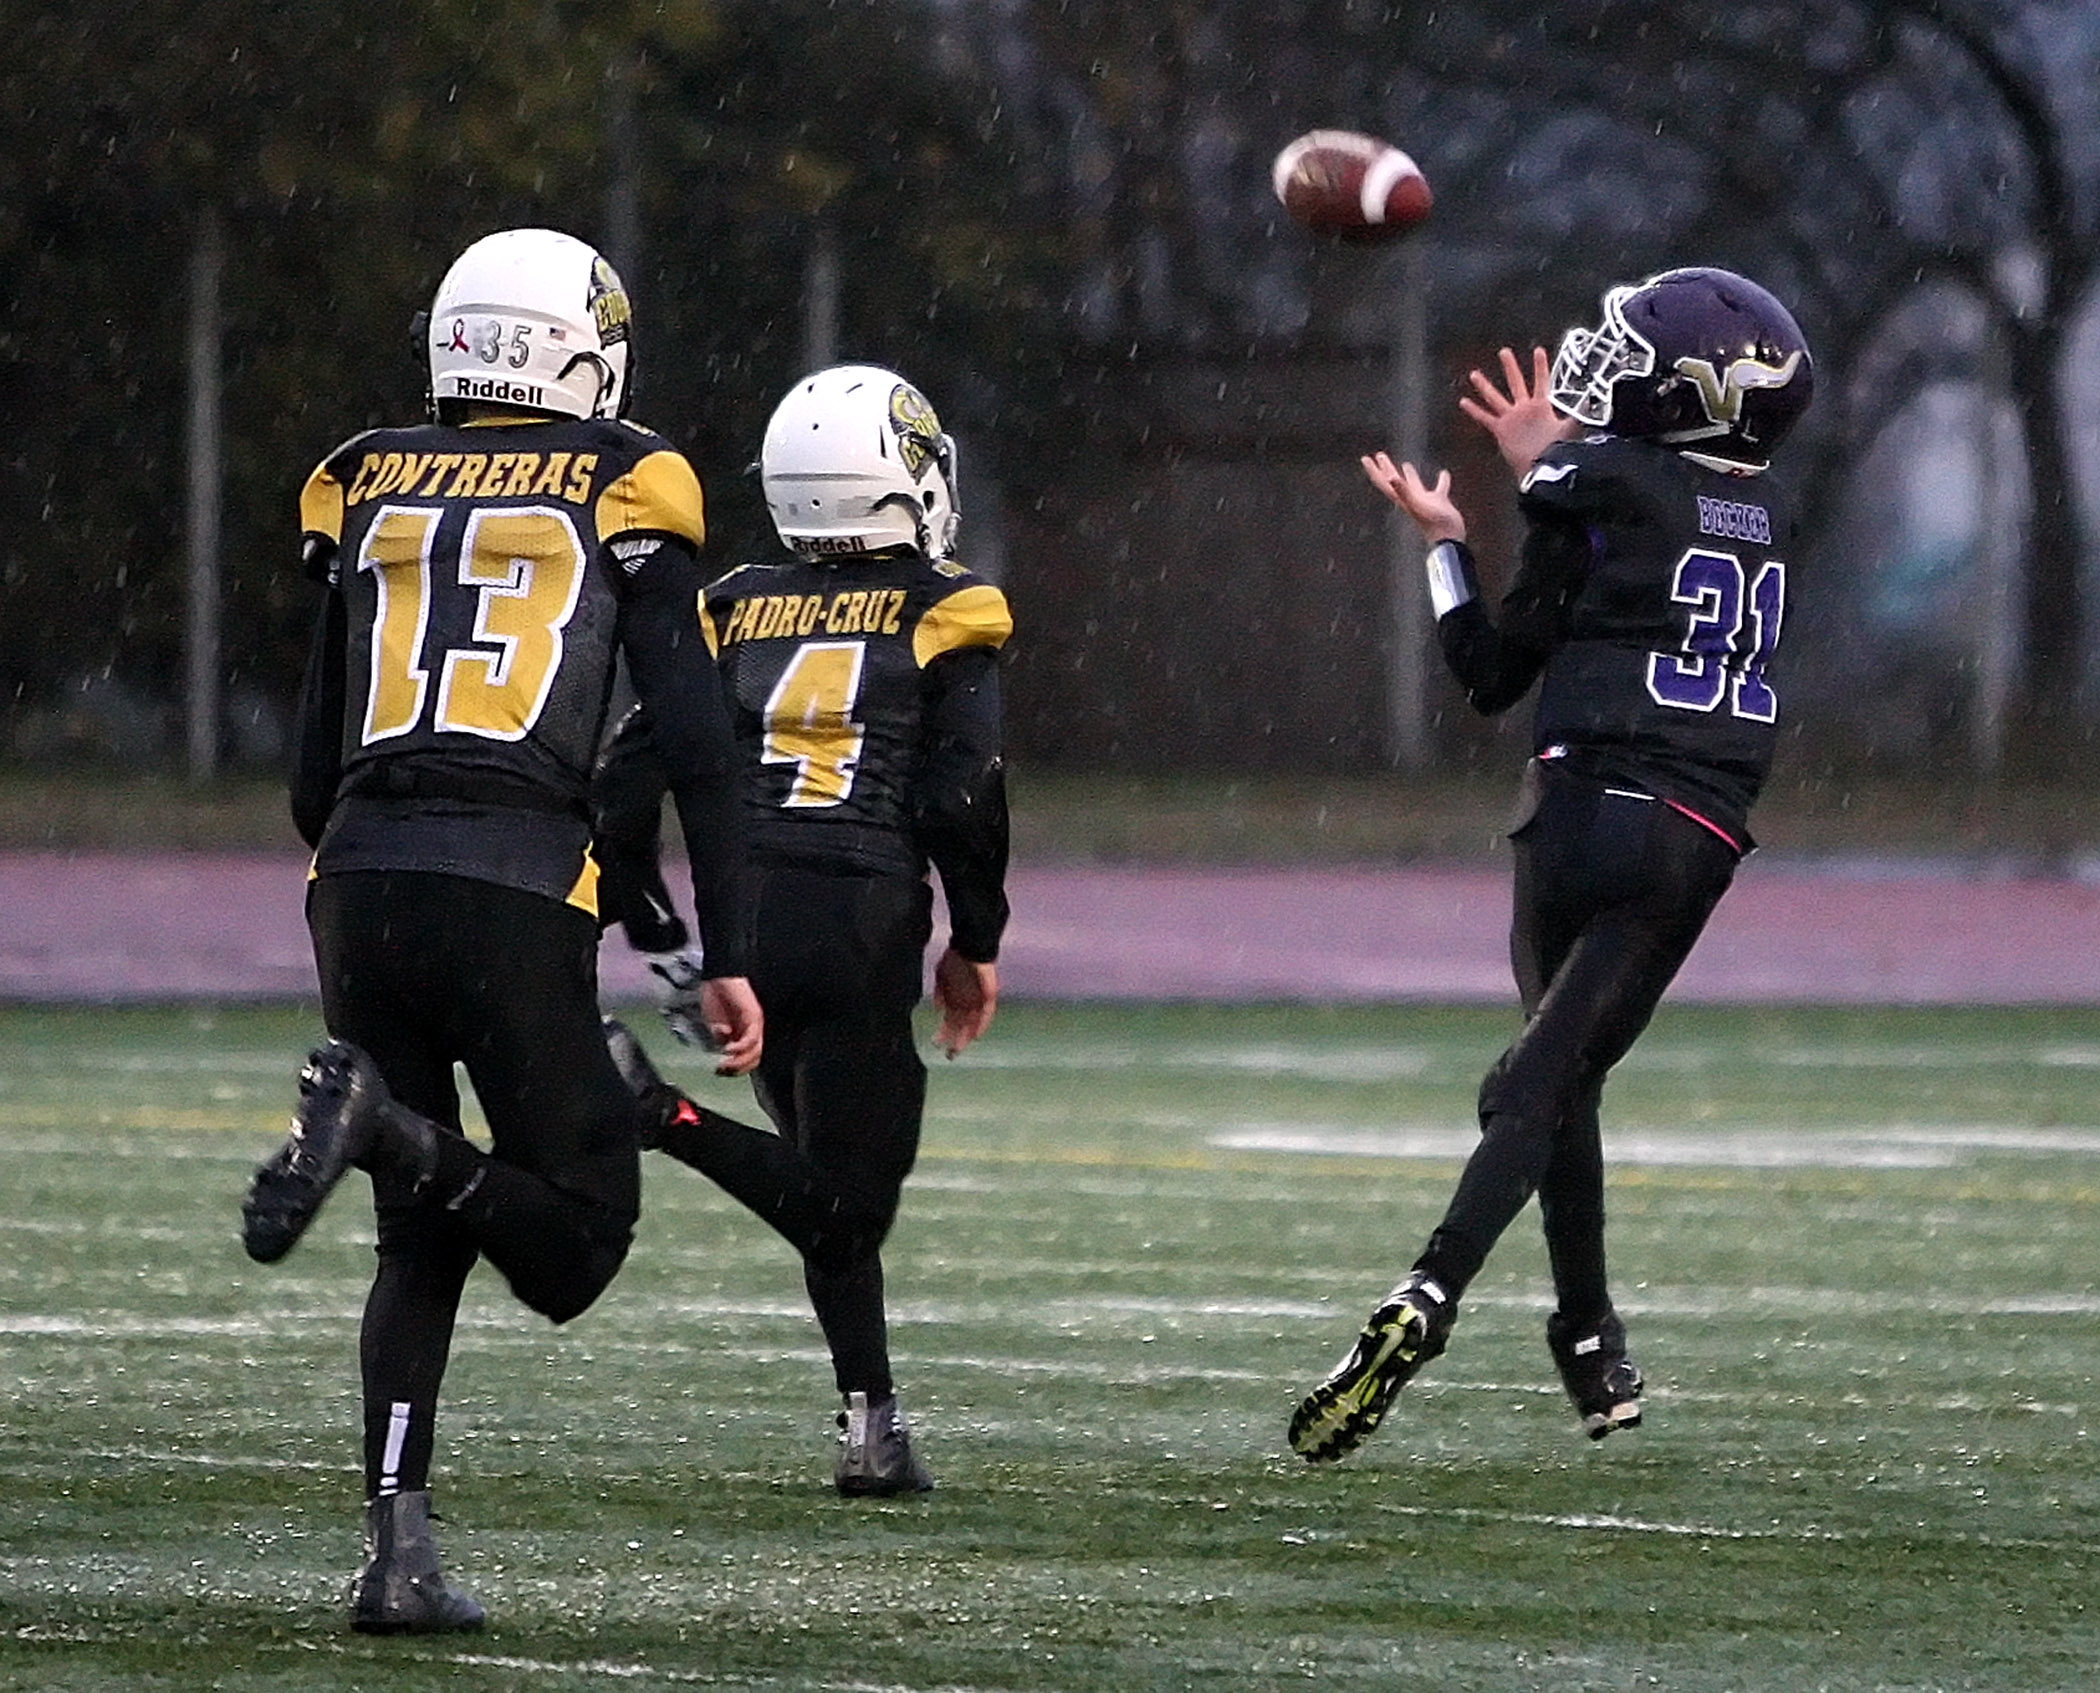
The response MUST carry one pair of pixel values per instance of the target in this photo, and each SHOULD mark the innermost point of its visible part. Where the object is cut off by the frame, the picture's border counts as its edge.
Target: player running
(863, 677)
(1647, 604)
(481, 573)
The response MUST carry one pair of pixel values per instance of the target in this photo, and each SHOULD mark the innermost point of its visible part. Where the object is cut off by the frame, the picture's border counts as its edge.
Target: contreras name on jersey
(565, 476)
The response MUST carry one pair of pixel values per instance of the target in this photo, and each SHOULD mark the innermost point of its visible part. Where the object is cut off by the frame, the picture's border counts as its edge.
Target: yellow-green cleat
(1402, 1335)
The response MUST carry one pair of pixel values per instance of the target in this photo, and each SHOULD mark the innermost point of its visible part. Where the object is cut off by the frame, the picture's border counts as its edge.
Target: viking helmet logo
(1721, 393)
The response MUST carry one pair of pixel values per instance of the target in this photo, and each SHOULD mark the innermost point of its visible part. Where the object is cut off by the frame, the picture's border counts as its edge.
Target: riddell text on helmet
(496, 388)
(828, 543)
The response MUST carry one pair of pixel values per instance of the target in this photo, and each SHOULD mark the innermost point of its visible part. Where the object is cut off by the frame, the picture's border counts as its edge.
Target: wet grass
(1856, 1249)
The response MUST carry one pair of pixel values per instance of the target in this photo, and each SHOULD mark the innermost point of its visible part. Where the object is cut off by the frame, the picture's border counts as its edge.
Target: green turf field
(1857, 1252)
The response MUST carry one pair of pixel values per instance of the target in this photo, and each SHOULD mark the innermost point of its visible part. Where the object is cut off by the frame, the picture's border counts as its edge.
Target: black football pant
(1612, 890)
(838, 964)
(424, 971)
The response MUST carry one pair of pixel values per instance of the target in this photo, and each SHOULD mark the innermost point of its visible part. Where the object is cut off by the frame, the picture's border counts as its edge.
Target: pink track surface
(111, 927)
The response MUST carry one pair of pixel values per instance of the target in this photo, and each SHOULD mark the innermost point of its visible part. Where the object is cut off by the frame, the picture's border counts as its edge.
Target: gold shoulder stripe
(708, 628)
(321, 505)
(661, 493)
(975, 616)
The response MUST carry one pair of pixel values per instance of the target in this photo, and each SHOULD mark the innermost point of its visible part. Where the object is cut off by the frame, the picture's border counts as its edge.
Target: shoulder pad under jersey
(974, 615)
(321, 500)
(659, 491)
(1582, 477)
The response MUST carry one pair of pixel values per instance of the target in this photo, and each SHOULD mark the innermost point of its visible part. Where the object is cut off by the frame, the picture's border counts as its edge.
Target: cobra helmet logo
(1722, 393)
(918, 431)
(610, 312)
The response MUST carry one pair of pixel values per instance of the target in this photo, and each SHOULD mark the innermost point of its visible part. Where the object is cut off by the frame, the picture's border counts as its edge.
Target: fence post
(201, 643)
(1408, 745)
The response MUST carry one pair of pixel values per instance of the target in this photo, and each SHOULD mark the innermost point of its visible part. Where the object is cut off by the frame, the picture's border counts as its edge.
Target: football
(1339, 182)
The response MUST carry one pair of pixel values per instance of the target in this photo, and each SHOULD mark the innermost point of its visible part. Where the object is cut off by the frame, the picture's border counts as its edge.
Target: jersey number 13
(523, 569)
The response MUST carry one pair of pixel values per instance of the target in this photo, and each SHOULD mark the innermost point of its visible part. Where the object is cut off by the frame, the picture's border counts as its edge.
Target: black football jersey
(1657, 586)
(481, 609)
(825, 665)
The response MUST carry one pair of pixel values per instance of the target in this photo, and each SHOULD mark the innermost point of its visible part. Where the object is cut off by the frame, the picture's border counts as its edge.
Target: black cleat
(1603, 1382)
(1402, 1335)
(662, 1104)
(875, 1456)
(401, 1589)
(337, 1121)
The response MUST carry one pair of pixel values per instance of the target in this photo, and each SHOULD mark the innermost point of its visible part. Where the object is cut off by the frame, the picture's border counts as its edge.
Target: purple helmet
(1695, 358)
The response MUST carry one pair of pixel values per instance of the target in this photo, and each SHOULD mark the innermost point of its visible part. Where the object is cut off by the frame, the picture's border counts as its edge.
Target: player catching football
(1647, 604)
(481, 573)
(862, 671)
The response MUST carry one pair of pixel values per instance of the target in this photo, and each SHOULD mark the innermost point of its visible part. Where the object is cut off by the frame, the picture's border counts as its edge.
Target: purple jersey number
(1715, 663)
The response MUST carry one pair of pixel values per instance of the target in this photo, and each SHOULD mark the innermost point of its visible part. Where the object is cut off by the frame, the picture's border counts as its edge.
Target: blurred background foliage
(1056, 216)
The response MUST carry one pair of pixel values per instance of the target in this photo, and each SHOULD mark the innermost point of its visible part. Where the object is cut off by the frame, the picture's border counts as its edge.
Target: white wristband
(1451, 580)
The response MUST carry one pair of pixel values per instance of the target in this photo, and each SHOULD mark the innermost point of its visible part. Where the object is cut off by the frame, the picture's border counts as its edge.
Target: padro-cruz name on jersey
(563, 476)
(846, 611)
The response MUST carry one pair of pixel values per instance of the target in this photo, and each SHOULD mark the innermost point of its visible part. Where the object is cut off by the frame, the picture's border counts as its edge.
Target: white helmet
(854, 461)
(534, 319)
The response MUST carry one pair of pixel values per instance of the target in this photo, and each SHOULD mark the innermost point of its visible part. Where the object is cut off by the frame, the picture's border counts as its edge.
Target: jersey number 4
(1724, 604)
(524, 566)
(809, 721)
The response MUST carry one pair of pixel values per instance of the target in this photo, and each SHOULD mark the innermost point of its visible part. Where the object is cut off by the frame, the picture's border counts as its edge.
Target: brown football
(1340, 182)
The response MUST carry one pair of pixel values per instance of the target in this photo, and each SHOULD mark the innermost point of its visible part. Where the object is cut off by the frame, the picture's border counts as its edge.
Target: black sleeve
(627, 813)
(959, 808)
(1497, 663)
(317, 760)
(675, 679)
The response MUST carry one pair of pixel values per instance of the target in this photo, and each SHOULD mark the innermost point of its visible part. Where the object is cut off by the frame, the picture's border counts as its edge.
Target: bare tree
(2033, 268)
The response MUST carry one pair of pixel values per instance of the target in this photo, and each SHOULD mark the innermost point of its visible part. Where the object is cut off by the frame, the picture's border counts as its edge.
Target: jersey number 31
(1723, 605)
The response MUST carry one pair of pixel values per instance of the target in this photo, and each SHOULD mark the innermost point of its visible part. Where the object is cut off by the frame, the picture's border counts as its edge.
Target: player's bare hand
(735, 1022)
(1429, 504)
(965, 993)
(1519, 414)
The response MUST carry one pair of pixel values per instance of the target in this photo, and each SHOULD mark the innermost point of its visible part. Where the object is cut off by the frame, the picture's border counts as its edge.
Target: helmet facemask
(1589, 362)
(925, 444)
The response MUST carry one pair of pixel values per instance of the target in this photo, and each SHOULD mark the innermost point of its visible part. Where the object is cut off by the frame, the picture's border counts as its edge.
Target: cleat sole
(1345, 1409)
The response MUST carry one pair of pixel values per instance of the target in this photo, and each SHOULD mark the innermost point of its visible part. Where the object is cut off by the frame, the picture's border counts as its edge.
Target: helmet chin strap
(917, 508)
(606, 379)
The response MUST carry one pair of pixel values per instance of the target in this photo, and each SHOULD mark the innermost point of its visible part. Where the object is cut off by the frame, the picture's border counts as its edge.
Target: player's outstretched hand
(965, 993)
(735, 1022)
(1431, 506)
(1522, 420)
